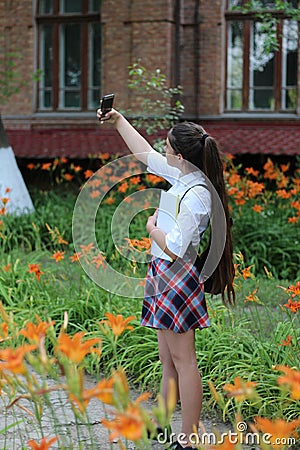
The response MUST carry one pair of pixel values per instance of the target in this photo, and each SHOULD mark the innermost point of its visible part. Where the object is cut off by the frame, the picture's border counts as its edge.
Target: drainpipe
(177, 18)
(196, 56)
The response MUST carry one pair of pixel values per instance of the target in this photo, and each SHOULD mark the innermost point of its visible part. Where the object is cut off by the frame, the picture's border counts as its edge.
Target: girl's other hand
(151, 223)
(112, 116)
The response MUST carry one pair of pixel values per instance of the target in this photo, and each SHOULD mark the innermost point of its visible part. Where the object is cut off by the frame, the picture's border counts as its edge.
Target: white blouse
(195, 208)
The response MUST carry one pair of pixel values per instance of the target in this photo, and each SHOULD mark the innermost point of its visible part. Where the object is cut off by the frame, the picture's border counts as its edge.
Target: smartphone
(107, 103)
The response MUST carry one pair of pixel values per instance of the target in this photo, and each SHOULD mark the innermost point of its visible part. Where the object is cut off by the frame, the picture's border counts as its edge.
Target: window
(69, 36)
(260, 80)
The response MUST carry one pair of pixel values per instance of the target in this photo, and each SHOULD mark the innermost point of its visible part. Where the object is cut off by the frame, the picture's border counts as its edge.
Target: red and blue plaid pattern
(174, 297)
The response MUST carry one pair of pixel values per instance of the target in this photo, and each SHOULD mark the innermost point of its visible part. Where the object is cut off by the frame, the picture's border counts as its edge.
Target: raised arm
(136, 143)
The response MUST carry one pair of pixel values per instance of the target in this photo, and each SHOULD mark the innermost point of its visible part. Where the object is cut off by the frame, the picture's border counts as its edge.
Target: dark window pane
(234, 3)
(71, 99)
(46, 59)
(234, 99)
(69, 6)
(94, 64)
(234, 63)
(291, 98)
(94, 5)
(290, 52)
(46, 7)
(268, 4)
(70, 61)
(262, 99)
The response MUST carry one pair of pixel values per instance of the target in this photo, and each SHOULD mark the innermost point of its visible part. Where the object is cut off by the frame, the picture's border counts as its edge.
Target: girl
(174, 301)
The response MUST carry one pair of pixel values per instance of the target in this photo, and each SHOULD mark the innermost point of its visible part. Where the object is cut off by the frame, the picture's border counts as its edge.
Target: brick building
(247, 99)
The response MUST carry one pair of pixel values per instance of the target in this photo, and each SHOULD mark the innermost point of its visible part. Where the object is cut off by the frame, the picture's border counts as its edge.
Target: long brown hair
(201, 150)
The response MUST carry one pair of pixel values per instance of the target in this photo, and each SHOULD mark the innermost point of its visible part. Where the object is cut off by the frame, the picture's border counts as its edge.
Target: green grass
(244, 341)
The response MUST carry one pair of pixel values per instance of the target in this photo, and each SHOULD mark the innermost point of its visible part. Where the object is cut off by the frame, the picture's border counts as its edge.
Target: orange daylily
(293, 219)
(86, 248)
(95, 194)
(35, 268)
(279, 429)
(35, 332)
(123, 187)
(68, 176)
(128, 424)
(58, 256)
(135, 180)
(292, 306)
(246, 272)
(75, 257)
(117, 323)
(287, 342)
(88, 173)
(103, 391)
(13, 359)
(4, 330)
(104, 156)
(240, 389)
(30, 166)
(140, 244)
(154, 179)
(226, 444)
(291, 378)
(43, 445)
(252, 297)
(7, 267)
(257, 208)
(46, 166)
(295, 290)
(99, 260)
(74, 348)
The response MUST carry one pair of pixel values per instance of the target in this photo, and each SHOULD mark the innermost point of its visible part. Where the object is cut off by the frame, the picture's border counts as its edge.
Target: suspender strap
(203, 185)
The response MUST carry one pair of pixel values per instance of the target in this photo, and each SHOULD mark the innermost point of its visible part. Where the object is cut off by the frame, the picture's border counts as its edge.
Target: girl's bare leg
(181, 348)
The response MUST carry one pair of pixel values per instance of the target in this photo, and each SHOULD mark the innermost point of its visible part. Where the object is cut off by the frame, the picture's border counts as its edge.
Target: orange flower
(35, 268)
(4, 200)
(104, 156)
(77, 168)
(75, 257)
(123, 187)
(86, 249)
(35, 332)
(241, 390)
(4, 330)
(13, 359)
(291, 378)
(68, 176)
(254, 188)
(46, 166)
(287, 342)
(154, 179)
(140, 244)
(252, 297)
(227, 444)
(117, 323)
(251, 171)
(109, 201)
(128, 424)
(282, 193)
(99, 260)
(7, 268)
(103, 391)
(58, 256)
(292, 306)
(135, 180)
(88, 174)
(30, 166)
(44, 445)
(234, 179)
(279, 429)
(295, 290)
(63, 160)
(74, 348)
(257, 208)
(293, 220)
(246, 272)
(95, 193)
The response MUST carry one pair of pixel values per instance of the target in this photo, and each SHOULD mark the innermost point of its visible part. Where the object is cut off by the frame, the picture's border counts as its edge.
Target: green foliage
(160, 107)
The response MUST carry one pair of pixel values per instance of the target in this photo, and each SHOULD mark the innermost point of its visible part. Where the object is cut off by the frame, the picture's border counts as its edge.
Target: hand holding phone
(107, 103)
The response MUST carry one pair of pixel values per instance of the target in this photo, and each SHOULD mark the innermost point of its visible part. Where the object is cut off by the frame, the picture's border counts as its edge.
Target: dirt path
(59, 420)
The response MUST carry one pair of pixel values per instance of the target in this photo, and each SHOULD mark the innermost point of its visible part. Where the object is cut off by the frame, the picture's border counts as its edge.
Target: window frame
(56, 19)
(248, 19)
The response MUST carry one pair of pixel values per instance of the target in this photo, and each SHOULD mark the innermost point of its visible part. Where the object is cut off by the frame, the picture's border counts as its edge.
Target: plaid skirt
(174, 297)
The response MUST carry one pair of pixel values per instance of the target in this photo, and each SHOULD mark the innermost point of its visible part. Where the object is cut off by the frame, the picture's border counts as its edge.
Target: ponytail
(201, 150)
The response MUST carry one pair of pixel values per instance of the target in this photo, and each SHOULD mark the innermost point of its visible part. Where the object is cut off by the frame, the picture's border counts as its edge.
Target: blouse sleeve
(157, 164)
